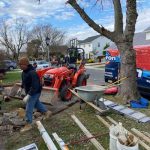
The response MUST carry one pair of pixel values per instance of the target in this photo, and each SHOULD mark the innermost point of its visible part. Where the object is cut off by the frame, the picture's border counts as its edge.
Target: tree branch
(118, 16)
(90, 22)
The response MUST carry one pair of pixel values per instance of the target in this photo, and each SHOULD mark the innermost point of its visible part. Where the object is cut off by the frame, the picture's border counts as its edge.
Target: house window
(98, 44)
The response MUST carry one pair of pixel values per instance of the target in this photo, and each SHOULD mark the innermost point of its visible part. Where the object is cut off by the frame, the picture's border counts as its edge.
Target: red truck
(142, 62)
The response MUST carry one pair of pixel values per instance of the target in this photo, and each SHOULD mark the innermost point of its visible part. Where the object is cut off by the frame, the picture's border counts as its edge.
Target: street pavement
(96, 76)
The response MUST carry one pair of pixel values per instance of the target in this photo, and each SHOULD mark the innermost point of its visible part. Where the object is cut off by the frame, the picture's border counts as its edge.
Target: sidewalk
(95, 66)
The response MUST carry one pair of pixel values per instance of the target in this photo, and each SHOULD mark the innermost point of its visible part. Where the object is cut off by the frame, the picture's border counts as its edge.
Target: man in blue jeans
(32, 86)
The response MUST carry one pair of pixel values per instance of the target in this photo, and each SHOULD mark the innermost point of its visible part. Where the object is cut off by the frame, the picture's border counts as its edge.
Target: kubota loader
(57, 81)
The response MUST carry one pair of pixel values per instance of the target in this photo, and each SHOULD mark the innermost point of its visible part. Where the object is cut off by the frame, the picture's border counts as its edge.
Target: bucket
(124, 147)
(112, 142)
(115, 131)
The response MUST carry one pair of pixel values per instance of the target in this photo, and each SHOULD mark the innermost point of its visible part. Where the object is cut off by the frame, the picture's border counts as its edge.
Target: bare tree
(33, 49)
(14, 37)
(123, 38)
(42, 31)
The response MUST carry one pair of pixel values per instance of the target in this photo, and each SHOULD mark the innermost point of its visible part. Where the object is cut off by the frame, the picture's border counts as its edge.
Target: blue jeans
(32, 103)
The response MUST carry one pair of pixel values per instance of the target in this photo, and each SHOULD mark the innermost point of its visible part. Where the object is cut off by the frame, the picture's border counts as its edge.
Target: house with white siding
(147, 32)
(140, 38)
(94, 44)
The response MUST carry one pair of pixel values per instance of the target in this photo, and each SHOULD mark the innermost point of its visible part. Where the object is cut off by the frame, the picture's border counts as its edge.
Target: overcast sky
(63, 17)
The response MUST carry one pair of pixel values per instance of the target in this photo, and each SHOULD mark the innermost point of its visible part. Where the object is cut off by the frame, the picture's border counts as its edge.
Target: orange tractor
(60, 80)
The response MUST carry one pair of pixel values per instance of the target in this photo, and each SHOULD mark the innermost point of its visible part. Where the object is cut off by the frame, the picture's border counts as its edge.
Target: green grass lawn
(67, 129)
(11, 77)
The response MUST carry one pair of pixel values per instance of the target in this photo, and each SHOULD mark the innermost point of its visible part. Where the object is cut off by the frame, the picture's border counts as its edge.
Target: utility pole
(47, 40)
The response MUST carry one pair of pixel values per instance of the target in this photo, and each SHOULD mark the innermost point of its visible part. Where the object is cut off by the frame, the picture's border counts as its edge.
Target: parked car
(9, 64)
(40, 64)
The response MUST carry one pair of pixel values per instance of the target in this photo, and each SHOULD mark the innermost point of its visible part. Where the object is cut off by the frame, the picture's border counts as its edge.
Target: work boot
(47, 115)
(27, 127)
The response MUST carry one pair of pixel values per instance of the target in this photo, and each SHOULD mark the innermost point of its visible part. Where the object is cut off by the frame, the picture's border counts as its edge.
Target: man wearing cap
(32, 86)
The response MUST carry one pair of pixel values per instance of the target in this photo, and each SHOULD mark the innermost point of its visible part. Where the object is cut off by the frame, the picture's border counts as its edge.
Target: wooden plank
(140, 142)
(87, 133)
(141, 135)
(86, 139)
(89, 103)
(60, 142)
(103, 121)
(112, 120)
(147, 134)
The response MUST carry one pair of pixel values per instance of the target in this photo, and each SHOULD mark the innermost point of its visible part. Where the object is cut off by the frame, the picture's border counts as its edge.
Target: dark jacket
(31, 81)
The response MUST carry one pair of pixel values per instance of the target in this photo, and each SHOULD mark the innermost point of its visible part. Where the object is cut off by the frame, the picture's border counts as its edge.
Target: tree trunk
(128, 88)
(122, 38)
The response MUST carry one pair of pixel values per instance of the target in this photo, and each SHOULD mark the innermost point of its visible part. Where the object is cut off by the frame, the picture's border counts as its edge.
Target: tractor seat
(72, 66)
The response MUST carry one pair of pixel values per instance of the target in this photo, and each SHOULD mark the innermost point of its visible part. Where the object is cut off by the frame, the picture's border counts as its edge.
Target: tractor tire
(65, 93)
(82, 80)
(106, 80)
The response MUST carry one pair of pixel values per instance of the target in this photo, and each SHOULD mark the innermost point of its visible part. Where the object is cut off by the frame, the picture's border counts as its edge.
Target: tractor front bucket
(49, 95)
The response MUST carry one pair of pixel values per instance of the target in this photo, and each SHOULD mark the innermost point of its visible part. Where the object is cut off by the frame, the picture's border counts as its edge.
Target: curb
(94, 68)
(94, 64)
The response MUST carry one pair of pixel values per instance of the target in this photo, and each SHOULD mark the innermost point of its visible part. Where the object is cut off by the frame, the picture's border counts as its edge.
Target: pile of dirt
(2, 146)
(14, 120)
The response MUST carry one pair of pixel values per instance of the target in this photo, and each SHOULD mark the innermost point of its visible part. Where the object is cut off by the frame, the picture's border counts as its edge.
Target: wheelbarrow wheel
(81, 80)
(65, 93)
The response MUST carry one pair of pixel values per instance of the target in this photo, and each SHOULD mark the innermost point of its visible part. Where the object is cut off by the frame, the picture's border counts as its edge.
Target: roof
(147, 29)
(89, 39)
(139, 39)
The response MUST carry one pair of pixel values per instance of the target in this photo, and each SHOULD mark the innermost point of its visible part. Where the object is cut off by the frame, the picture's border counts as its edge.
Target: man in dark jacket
(32, 86)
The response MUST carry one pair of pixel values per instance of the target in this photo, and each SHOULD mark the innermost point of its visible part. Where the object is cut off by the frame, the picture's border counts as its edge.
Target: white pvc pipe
(45, 136)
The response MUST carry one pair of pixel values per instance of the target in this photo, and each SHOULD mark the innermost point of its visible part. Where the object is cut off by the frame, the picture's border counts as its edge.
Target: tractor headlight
(51, 75)
(46, 76)
(48, 79)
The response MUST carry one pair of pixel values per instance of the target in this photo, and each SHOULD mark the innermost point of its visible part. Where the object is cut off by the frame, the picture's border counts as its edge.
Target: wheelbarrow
(91, 94)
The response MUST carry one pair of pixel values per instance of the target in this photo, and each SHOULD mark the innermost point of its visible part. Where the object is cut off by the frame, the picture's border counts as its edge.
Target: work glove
(26, 98)
(19, 92)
